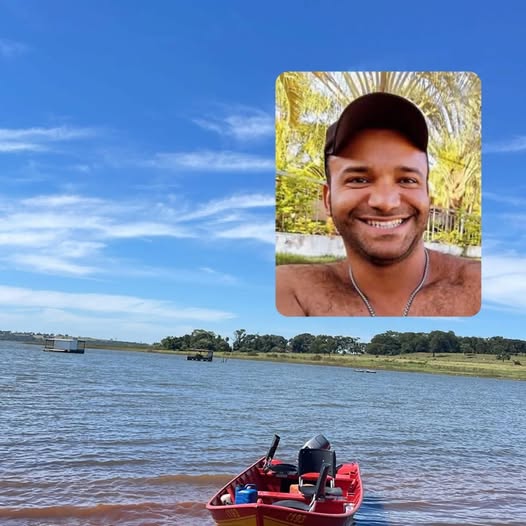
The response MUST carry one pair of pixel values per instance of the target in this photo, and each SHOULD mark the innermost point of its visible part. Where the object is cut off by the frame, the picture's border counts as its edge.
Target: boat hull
(268, 515)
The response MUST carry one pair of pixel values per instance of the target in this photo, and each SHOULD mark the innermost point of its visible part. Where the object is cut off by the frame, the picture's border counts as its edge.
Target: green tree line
(387, 343)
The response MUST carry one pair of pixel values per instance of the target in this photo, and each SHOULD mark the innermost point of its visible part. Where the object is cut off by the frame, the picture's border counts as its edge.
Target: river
(132, 438)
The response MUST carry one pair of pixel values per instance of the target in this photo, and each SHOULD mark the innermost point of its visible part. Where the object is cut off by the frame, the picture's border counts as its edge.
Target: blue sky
(137, 157)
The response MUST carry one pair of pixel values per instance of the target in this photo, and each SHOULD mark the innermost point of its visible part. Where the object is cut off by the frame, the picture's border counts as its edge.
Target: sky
(137, 157)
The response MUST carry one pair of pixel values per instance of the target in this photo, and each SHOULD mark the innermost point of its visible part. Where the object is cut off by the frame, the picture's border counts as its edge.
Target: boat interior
(316, 482)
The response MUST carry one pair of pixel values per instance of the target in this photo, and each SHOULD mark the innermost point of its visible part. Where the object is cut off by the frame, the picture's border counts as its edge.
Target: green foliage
(439, 342)
(465, 232)
(389, 343)
(198, 339)
(287, 259)
(385, 343)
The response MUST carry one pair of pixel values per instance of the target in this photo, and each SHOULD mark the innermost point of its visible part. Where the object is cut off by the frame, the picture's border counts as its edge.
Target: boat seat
(308, 491)
(293, 504)
(319, 492)
(283, 469)
(309, 465)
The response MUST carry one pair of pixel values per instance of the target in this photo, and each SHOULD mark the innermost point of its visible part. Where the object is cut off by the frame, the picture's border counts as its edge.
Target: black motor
(317, 442)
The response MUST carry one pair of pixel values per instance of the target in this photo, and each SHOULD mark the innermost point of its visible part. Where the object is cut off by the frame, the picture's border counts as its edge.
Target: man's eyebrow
(355, 169)
(410, 169)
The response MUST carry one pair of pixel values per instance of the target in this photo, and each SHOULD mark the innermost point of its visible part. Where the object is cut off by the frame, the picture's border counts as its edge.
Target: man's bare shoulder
(455, 270)
(293, 280)
(456, 282)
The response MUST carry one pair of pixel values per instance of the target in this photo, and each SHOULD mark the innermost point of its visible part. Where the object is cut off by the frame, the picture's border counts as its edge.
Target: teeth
(385, 224)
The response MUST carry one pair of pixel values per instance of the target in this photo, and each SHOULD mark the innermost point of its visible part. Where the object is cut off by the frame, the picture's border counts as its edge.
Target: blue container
(246, 494)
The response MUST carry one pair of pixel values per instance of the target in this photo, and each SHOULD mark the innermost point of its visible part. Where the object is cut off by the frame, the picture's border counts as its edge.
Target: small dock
(200, 357)
(65, 345)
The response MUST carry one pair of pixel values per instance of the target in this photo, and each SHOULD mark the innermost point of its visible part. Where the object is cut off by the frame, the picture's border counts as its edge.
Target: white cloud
(14, 147)
(60, 133)
(261, 232)
(213, 161)
(504, 281)
(242, 124)
(517, 144)
(70, 234)
(14, 140)
(143, 308)
(49, 264)
(204, 276)
(119, 326)
(506, 199)
(232, 203)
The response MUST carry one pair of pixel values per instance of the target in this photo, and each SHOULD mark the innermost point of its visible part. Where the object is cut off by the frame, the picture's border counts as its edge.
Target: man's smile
(384, 223)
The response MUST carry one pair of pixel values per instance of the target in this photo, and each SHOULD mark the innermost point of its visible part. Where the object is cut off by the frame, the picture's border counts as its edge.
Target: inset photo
(378, 194)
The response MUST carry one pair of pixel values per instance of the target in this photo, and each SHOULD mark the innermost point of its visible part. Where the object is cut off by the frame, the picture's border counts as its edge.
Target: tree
(239, 337)
(385, 343)
(302, 343)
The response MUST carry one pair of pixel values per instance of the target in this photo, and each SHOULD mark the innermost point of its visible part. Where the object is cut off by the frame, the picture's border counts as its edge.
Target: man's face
(377, 195)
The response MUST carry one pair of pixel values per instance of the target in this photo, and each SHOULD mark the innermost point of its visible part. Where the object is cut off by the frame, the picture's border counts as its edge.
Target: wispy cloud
(232, 203)
(212, 161)
(264, 232)
(243, 124)
(11, 49)
(517, 144)
(14, 140)
(70, 234)
(106, 303)
(49, 264)
(504, 281)
(133, 307)
(61, 133)
(505, 199)
(18, 146)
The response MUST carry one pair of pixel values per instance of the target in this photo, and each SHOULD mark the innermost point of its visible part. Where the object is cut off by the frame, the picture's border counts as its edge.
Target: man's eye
(357, 180)
(409, 180)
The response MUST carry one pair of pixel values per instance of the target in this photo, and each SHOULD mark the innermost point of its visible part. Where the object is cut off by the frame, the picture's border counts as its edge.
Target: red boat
(315, 492)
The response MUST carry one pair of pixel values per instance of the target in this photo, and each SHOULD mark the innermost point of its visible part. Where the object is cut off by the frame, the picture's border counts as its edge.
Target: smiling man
(377, 194)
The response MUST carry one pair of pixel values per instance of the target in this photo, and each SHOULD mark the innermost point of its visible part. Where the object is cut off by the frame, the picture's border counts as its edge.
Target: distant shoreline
(456, 364)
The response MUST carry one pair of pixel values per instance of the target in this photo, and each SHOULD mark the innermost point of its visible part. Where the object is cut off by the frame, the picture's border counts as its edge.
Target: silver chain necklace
(411, 296)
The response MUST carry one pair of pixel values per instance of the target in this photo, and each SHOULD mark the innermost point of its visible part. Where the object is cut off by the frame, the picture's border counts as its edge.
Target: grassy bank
(482, 365)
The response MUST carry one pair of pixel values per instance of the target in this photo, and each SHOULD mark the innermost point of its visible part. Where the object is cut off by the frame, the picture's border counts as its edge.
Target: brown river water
(129, 438)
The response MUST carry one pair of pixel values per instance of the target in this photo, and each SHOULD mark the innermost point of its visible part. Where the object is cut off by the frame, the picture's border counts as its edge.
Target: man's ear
(327, 199)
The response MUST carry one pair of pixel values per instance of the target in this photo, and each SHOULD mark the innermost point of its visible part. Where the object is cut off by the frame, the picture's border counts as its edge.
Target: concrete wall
(310, 245)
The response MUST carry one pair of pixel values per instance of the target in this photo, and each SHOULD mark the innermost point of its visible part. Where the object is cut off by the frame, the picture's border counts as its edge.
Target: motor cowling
(317, 442)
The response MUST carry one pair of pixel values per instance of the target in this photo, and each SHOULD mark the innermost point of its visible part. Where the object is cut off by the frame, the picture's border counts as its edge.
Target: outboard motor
(317, 442)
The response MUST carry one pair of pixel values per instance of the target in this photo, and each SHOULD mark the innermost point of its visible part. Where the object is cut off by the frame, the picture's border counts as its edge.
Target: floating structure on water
(198, 357)
(69, 345)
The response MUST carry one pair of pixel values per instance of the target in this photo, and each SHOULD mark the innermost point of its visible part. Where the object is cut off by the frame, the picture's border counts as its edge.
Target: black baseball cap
(378, 110)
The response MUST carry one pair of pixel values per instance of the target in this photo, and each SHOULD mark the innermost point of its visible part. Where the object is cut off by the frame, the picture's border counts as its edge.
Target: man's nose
(384, 196)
